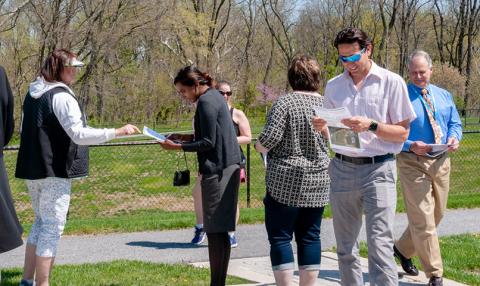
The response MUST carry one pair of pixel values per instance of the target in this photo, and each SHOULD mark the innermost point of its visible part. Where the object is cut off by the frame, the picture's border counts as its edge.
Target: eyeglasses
(227, 93)
(353, 58)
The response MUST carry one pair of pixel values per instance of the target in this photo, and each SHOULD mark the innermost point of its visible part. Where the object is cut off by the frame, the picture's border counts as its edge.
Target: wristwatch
(373, 126)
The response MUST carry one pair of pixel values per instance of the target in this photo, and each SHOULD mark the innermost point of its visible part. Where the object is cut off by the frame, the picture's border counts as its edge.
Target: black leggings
(219, 255)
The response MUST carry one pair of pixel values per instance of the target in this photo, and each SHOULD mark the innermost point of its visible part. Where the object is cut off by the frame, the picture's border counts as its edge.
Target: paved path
(174, 247)
(258, 269)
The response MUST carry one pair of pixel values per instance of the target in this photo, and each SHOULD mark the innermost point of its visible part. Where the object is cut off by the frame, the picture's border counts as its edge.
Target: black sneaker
(435, 281)
(406, 263)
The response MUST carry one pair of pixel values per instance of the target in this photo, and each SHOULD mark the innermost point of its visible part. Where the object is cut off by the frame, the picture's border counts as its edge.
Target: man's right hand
(128, 129)
(420, 148)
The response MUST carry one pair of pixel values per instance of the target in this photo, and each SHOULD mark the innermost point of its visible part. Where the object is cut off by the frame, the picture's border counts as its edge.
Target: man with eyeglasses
(425, 176)
(364, 181)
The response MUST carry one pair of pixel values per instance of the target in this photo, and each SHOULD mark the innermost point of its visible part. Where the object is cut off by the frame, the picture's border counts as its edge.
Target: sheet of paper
(332, 116)
(438, 147)
(437, 150)
(340, 136)
(153, 134)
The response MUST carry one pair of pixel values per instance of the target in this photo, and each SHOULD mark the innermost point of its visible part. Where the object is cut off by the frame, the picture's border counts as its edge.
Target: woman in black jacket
(10, 229)
(218, 156)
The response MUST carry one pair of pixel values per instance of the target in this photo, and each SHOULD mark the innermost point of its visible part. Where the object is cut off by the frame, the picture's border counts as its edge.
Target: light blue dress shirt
(446, 115)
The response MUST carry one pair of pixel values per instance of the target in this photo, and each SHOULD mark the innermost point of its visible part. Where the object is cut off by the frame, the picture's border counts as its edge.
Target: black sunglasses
(227, 93)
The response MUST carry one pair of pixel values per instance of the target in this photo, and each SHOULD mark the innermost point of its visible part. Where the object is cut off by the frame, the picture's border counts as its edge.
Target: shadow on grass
(164, 245)
(10, 277)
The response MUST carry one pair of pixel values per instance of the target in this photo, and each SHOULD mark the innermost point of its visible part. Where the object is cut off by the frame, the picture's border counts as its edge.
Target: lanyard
(427, 106)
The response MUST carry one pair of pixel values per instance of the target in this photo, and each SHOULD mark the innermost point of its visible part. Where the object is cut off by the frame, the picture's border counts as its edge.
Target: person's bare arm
(244, 127)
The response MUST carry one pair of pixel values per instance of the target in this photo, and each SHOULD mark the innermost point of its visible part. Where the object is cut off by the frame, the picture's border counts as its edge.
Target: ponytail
(191, 76)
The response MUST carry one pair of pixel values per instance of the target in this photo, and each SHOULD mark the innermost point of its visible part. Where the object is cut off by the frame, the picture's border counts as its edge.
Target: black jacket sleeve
(208, 114)
(7, 108)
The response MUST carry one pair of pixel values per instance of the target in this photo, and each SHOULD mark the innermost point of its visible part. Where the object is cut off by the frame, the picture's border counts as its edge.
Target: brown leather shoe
(406, 263)
(435, 281)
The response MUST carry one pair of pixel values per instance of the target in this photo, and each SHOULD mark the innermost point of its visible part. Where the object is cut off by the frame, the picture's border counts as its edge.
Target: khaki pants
(425, 184)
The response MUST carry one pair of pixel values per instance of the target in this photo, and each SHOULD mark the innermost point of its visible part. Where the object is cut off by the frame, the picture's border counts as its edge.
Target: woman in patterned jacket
(297, 180)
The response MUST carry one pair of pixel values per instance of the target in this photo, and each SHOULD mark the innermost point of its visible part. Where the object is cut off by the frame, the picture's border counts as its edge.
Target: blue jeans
(281, 221)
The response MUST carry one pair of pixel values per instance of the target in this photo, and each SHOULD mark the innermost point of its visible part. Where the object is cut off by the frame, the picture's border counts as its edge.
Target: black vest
(45, 148)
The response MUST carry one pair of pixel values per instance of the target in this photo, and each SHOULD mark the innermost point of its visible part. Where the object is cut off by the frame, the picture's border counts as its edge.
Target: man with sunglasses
(364, 181)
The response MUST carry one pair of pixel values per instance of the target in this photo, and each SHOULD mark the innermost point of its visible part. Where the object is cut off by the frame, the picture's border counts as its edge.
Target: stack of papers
(437, 150)
(340, 136)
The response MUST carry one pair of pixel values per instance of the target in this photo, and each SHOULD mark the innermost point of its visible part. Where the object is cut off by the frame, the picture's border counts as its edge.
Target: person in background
(297, 181)
(53, 151)
(363, 181)
(10, 228)
(425, 178)
(244, 136)
(218, 155)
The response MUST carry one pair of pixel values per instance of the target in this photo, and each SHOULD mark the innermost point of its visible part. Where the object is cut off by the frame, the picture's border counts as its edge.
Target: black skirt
(219, 199)
(10, 228)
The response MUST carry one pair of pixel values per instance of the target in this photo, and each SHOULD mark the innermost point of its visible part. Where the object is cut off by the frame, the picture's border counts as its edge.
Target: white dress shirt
(383, 97)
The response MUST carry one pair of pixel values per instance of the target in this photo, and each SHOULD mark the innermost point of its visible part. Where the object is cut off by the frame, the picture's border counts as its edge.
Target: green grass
(123, 272)
(130, 189)
(471, 123)
(460, 255)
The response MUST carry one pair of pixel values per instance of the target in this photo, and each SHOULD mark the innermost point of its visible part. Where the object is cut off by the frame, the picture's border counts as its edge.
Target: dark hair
(191, 76)
(55, 63)
(304, 73)
(222, 82)
(352, 35)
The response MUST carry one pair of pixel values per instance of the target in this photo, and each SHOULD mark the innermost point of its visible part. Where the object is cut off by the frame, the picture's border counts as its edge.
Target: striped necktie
(437, 131)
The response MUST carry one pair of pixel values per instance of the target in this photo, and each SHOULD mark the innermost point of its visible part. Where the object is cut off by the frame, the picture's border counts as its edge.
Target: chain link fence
(127, 178)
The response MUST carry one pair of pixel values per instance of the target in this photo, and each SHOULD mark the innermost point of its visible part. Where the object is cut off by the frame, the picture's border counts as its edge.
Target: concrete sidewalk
(258, 269)
(173, 246)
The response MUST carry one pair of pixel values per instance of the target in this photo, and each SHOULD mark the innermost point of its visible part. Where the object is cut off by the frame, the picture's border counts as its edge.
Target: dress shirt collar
(419, 89)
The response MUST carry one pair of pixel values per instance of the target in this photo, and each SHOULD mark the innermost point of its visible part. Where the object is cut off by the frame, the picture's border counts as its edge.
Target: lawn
(130, 189)
(461, 257)
(123, 273)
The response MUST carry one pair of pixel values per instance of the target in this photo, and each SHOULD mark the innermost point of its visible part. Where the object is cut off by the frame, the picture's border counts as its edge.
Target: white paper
(332, 116)
(438, 147)
(437, 150)
(153, 134)
(340, 136)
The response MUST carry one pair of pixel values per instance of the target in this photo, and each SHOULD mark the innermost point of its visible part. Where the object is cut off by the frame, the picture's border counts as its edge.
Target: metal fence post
(248, 175)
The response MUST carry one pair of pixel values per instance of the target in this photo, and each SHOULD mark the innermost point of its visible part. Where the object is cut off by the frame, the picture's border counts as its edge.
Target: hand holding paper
(340, 136)
(453, 144)
(170, 145)
(420, 148)
(357, 123)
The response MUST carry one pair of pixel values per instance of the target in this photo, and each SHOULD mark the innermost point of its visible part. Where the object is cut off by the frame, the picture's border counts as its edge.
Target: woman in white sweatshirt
(53, 150)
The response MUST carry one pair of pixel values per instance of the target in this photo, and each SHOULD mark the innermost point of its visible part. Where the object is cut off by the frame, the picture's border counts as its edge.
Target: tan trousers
(425, 184)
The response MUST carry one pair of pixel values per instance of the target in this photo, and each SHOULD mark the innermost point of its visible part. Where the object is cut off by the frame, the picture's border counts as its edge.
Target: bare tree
(473, 7)
(280, 26)
(388, 25)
